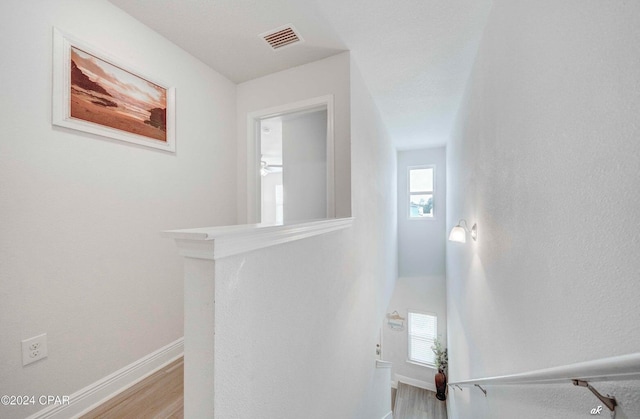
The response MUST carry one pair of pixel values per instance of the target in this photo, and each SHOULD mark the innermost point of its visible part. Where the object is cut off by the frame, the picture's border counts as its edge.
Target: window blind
(422, 329)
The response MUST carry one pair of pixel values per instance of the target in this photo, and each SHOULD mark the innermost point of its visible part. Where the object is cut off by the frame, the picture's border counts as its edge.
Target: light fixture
(459, 232)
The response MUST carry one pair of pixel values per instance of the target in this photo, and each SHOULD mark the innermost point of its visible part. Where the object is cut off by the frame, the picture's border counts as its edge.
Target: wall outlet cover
(34, 349)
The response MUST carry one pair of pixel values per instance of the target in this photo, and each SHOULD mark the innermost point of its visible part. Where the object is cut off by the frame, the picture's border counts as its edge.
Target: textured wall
(297, 324)
(416, 293)
(421, 247)
(81, 257)
(546, 160)
(421, 262)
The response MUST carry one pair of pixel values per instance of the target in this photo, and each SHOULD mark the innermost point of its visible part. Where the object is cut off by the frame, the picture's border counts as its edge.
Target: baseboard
(413, 382)
(388, 416)
(95, 394)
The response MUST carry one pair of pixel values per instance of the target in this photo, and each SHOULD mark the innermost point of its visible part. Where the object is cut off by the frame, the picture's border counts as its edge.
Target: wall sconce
(459, 232)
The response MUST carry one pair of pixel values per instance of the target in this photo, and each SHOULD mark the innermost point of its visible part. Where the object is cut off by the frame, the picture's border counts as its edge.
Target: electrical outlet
(34, 349)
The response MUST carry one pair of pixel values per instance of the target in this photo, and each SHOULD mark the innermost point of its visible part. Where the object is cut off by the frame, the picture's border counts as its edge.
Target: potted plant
(442, 360)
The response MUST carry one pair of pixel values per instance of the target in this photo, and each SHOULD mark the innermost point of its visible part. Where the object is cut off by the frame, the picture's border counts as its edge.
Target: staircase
(417, 403)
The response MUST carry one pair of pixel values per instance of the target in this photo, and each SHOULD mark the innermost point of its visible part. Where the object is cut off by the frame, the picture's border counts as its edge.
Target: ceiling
(415, 56)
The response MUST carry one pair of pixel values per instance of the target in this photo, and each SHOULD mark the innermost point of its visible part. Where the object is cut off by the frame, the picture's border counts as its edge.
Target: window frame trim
(409, 193)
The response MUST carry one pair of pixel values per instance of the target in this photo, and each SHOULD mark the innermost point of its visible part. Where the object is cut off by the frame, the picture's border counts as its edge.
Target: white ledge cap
(218, 242)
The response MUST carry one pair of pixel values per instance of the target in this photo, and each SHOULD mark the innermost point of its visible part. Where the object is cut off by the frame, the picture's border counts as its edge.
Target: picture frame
(395, 321)
(96, 93)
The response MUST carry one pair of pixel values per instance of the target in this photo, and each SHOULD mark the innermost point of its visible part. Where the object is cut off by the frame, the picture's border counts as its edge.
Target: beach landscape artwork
(105, 94)
(96, 95)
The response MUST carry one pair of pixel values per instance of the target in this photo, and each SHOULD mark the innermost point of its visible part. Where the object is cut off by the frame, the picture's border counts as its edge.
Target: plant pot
(441, 385)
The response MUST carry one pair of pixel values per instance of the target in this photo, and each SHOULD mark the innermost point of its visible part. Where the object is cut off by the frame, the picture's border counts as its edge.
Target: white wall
(297, 324)
(374, 192)
(304, 156)
(546, 160)
(80, 253)
(330, 77)
(421, 263)
(422, 294)
(421, 242)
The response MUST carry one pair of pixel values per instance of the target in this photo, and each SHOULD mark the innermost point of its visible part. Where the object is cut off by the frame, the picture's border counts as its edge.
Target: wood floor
(416, 403)
(161, 396)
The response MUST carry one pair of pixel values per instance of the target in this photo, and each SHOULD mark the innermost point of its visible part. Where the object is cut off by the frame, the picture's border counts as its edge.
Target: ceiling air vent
(281, 37)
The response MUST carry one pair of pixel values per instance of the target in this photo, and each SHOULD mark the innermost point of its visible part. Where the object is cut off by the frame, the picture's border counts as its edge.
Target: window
(421, 192)
(422, 330)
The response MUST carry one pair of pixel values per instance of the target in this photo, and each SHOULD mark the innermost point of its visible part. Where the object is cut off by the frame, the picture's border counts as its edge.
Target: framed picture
(96, 93)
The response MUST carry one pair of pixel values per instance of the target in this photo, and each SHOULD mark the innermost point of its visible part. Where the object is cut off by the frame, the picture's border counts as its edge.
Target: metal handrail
(623, 367)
